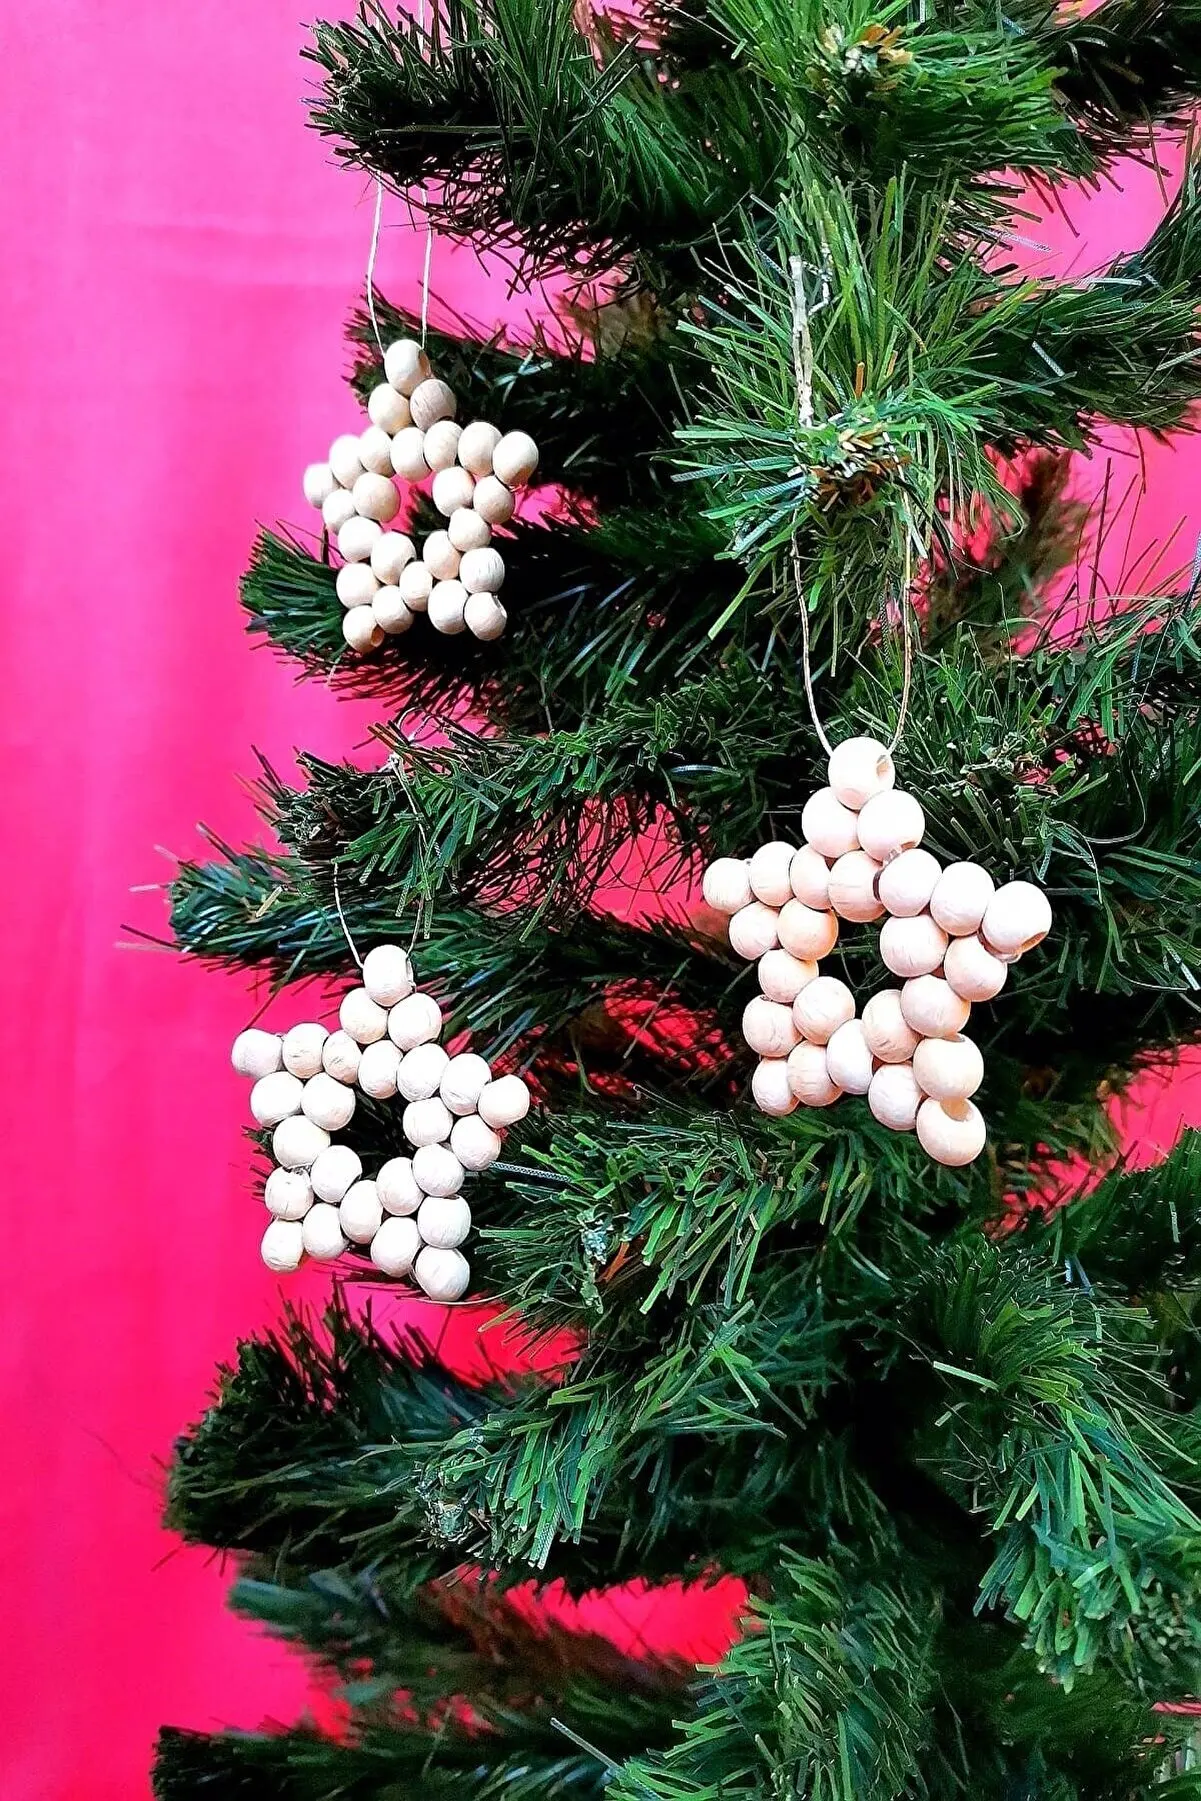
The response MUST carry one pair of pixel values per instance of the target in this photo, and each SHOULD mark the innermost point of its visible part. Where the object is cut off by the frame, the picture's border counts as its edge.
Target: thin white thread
(371, 255)
(342, 918)
(429, 235)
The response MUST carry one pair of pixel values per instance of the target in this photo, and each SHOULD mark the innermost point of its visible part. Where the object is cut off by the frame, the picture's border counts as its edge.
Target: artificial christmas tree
(946, 1437)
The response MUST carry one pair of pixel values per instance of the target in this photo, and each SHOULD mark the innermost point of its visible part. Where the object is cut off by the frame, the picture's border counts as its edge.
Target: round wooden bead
(421, 1071)
(408, 455)
(340, 1056)
(726, 884)
(906, 884)
(961, 898)
(894, 1096)
(430, 401)
(821, 1007)
(374, 497)
(276, 1097)
(444, 1220)
(321, 1233)
(782, 976)
(336, 509)
(849, 1058)
(852, 887)
(415, 586)
(952, 1132)
(288, 1193)
(467, 531)
(889, 1037)
(282, 1246)
(362, 1017)
(493, 501)
(859, 769)
(768, 870)
(768, 1027)
(436, 1170)
(358, 537)
(474, 1142)
(809, 874)
(356, 584)
(889, 824)
(452, 489)
(476, 445)
(344, 459)
(360, 1212)
(932, 1007)
(1016, 919)
(406, 364)
(256, 1053)
(319, 483)
(397, 1187)
(392, 552)
(442, 1275)
(375, 453)
(503, 1102)
(390, 612)
(912, 947)
(770, 1089)
(441, 444)
(378, 1070)
(329, 1104)
(395, 1246)
(806, 932)
(828, 826)
(809, 1077)
(948, 1069)
(334, 1171)
(427, 1122)
(484, 617)
(448, 607)
(388, 409)
(515, 459)
(302, 1049)
(482, 571)
(415, 1020)
(387, 974)
(972, 970)
(463, 1081)
(754, 930)
(440, 557)
(361, 629)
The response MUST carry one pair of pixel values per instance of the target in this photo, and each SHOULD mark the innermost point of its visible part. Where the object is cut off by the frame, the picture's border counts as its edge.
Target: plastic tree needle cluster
(946, 1438)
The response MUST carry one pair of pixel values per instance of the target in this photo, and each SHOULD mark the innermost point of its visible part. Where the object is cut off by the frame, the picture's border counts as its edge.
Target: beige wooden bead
(726, 884)
(334, 1172)
(972, 970)
(375, 451)
(415, 1020)
(504, 1102)
(474, 1142)
(809, 874)
(442, 1275)
(821, 1007)
(361, 629)
(932, 1007)
(430, 401)
(321, 1233)
(257, 1053)
(770, 1088)
(390, 612)
(467, 531)
(894, 1096)
(452, 489)
(378, 1069)
(282, 1246)
(344, 459)
(302, 1049)
(356, 584)
(859, 769)
(406, 364)
(374, 497)
(359, 536)
(1016, 919)
(515, 459)
(852, 887)
(393, 552)
(361, 1017)
(889, 1036)
(427, 1122)
(951, 1132)
(276, 1097)
(421, 1071)
(485, 617)
(444, 1220)
(437, 1171)
(768, 870)
(482, 571)
(948, 1069)
(476, 445)
(912, 947)
(906, 884)
(441, 445)
(753, 930)
(809, 1077)
(440, 557)
(408, 455)
(415, 586)
(768, 1027)
(387, 974)
(399, 1190)
(329, 1104)
(849, 1058)
(463, 1081)
(336, 509)
(395, 1246)
(889, 824)
(296, 1143)
(828, 826)
(288, 1193)
(340, 1059)
(319, 483)
(447, 607)
(388, 409)
(782, 976)
(960, 898)
(493, 501)
(360, 1213)
(805, 931)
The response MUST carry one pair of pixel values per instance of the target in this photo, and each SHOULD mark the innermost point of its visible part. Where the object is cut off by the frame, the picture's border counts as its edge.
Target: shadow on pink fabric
(180, 256)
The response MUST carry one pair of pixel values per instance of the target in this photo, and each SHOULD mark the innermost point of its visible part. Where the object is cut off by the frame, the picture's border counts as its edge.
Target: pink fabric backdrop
(180, 255)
